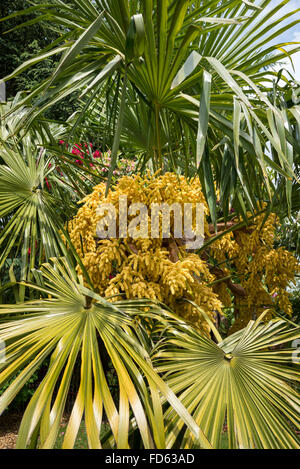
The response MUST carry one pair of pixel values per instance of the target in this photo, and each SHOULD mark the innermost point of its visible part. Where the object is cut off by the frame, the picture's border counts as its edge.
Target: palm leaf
(243, 381)
(76, 322)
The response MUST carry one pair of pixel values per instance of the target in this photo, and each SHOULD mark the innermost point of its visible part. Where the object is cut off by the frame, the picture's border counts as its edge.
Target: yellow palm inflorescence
(165, 270)
(264, 272)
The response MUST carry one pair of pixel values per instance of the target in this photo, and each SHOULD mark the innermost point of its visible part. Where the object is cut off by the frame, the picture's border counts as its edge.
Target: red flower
(48, 184)
(97, 154)
(77, 152)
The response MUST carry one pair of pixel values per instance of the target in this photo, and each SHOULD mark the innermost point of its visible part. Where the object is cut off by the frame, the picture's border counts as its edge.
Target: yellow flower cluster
(163, 269)
(144, 267)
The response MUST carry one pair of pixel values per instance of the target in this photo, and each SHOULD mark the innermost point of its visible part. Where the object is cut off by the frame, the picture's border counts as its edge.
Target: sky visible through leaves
(291, 35)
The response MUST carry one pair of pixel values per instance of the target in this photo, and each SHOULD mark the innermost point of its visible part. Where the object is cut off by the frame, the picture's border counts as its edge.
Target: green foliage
(20, 45)
(295, 301)
(288, 234)
(185, 86)
(23, 397)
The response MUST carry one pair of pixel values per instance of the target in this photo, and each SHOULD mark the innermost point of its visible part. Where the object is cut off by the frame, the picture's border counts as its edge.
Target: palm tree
(188, 85)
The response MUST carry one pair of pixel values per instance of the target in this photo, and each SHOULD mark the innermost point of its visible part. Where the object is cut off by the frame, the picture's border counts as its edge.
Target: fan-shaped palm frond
(243, 382)
(34, 204)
